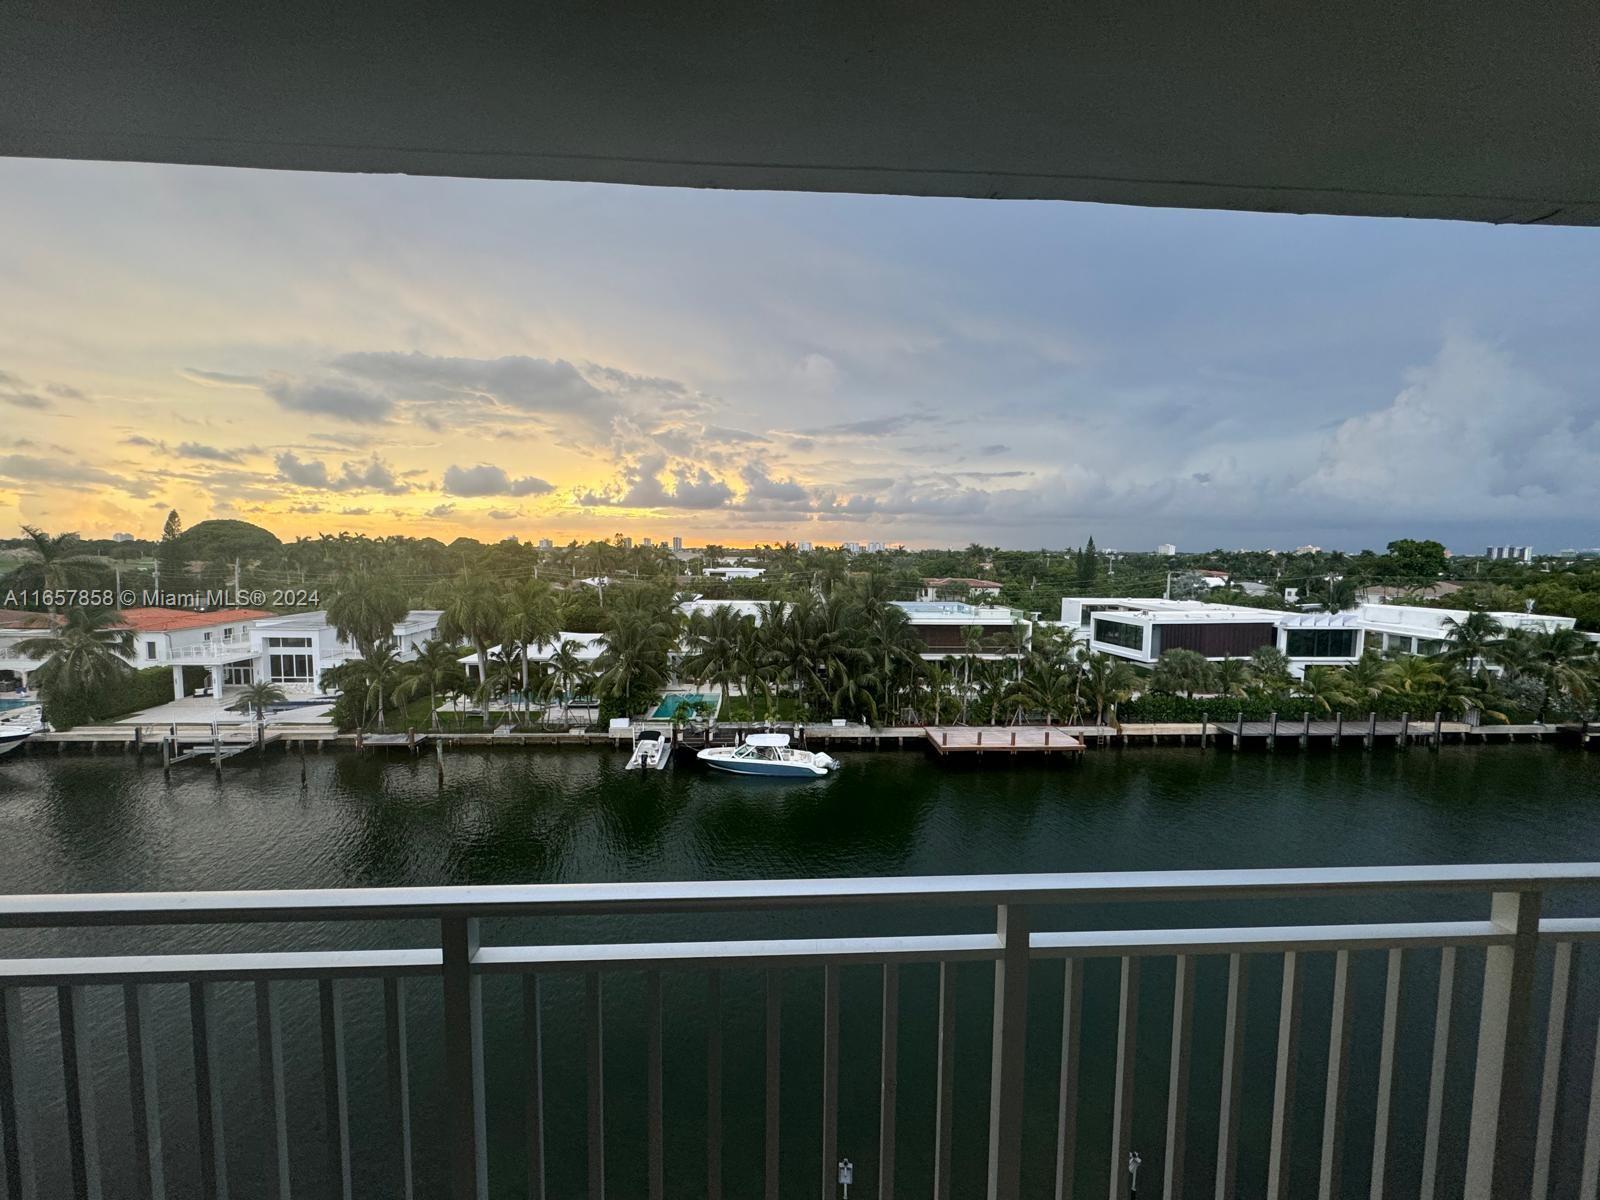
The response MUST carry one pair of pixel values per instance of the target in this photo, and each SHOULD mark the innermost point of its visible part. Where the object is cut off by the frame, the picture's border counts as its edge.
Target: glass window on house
(1320, 643)
(1119, 633)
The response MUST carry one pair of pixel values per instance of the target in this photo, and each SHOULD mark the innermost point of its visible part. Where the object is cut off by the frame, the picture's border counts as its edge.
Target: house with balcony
(1142, 629)
(944, 625)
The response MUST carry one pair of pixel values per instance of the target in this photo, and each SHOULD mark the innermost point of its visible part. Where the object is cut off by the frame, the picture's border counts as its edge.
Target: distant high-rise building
(803, 547)
(1510, 553)
(627, 543)
(122, 537)
(851, 547)
(1166, 549)
(874, 547)
(644, 541)
(677, 543)
(546, 544)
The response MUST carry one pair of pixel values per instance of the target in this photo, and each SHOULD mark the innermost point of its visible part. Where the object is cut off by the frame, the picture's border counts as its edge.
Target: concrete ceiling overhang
(1468, 110)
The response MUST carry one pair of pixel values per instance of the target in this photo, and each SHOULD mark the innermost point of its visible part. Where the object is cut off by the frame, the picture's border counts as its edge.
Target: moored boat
(18, 727)
(768, 755)
(652, 751)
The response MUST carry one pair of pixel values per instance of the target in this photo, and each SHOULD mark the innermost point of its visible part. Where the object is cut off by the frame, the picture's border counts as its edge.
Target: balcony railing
(1521, 1063)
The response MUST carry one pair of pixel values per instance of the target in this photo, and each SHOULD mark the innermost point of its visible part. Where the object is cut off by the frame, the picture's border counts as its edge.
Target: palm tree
(972, 645)
(435, 670)
(1270, 668)
(375, 679)
(365, 609)
(1230, 677)
(1365, 679)
(936, 680)
(1185, 671)
(55, 564)
(712, 647)
(85, 660)
(641, 631)
(568, 672)
(258, 695)
(1106, 681)
(1562, 660)
(531, 621)
(1044, 688)
(1324, 686)
(1415, 678)
(471, 612)
(1472, 638)
(889, 642)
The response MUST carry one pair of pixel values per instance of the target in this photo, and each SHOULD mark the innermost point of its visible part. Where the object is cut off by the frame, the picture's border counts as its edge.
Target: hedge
(1155, 708)
(141, 690)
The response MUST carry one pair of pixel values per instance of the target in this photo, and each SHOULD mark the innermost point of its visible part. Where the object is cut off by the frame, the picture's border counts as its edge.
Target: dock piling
(1438, 728)
(1272, 732)
(1205, 720)
(1238, 731)
(438, 754)
(1372, 729)
(1405, 731)
(1305, 730)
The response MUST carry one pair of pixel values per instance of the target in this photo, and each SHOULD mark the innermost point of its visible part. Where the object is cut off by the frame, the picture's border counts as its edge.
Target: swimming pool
(676, 700)
(8, 702)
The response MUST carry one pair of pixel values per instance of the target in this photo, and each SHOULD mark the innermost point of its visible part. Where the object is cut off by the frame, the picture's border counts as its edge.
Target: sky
(447, 357)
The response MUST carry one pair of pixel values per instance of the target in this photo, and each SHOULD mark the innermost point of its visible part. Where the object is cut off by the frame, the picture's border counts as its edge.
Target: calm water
(88, 824)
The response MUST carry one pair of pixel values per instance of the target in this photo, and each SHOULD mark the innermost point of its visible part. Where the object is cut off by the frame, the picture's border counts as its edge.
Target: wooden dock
(995, 739)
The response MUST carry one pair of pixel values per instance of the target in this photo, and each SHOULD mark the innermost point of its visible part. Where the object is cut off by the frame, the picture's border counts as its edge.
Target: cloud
(817, 373)
(487, 480)
(27, 468)
(871, 427)
(763, 491)
(641, 487)
(440, 511)
(330, 399)
(550, 387)
(25, 400)
(993, 448)
(219, 378)
(502, 514)
(371, 476)
(208, 453)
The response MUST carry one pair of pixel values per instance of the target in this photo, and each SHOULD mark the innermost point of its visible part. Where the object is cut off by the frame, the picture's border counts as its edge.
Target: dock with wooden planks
(997, 739)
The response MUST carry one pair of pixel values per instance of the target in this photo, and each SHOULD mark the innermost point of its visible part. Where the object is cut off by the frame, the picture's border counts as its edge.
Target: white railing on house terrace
(1509, 1152)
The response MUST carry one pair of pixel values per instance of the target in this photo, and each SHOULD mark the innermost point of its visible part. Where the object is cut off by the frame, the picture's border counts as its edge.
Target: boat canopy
(778, 740)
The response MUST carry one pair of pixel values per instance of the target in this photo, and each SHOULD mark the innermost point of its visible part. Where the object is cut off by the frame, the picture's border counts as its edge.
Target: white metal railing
(1509, 1152)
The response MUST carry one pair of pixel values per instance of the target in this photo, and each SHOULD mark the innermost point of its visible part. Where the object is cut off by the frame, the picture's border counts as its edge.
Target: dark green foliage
(143, 689)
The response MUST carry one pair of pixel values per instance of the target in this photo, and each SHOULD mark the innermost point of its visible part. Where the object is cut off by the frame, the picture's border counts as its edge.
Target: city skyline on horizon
(457, 357)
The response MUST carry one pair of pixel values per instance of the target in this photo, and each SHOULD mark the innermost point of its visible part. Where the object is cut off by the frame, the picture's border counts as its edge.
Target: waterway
(81, 823)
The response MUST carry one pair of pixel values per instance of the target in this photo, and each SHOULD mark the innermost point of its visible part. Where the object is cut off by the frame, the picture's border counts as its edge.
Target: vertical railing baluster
(1589, 1177)
(1495, 1165)
(397, 1076)
(889, 1081)
(774, 1099)
(463, 1059)
(1008, 1054)
(1127, 1051)
(83, 1127)
(1389, 1043)
(1330, 1177)
(269, 1067)
(208, 1095)
(714, 1086)
(655, 1097)
(1067, 1088)
(144, 1097)
(16, 1131)
(1558, 1035)
(945, 1083)
(595, 1059)
(1232, 1077)
(1172, 1167)
(335, 1086)
(533, 1082)
(1284, 1077)
(830, 1080)
(1436, 1074)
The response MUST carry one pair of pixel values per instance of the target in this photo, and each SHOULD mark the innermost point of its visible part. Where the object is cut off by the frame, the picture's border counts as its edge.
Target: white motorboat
(18, 727)
(652, 751)
(769, 755)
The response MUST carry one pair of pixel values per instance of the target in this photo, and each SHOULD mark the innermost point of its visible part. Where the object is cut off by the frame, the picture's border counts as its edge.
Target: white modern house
(943, 624)
(234, 647)
(1140, 629)
(734, 572)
